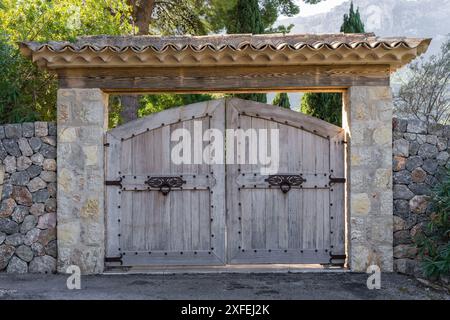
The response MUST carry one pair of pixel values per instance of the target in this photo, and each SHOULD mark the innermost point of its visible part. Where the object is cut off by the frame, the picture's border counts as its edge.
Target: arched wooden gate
(160, 213)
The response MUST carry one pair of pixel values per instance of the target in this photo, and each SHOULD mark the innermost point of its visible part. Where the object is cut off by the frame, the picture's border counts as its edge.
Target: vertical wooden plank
(204, 214)
(126, 208)
(155, 200)
(294, 202)
(309, 196)
(164, 200)
(234, 208)
(142, 214)
(320, 155)
(176, 205)
(258, 197)
(218, 205)
(283, 199)
(274, 200)
(337, 194)
(186, 194)
(113, 196)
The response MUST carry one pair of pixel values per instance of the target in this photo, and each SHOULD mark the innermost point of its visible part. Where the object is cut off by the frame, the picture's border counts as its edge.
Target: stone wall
(28, 197)
(420, 160)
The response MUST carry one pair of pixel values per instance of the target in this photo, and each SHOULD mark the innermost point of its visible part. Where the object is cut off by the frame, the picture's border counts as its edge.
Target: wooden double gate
(161, 213)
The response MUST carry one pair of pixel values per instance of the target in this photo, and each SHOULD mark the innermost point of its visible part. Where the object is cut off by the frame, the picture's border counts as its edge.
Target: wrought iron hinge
(285, 181)
(340, 257)
(334, 180)
(114, 182)
(115, 259)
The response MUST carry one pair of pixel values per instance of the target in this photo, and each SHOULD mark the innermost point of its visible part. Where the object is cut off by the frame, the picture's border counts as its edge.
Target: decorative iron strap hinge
(114, 183)
(285, 181)
(114, 259)
(334, 180)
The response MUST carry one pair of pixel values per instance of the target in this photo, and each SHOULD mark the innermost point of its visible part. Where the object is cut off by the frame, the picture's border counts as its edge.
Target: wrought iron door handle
(165, 184)
(285, 181)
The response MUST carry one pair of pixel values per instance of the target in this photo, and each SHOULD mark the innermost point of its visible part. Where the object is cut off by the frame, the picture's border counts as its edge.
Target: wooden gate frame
(359, 66)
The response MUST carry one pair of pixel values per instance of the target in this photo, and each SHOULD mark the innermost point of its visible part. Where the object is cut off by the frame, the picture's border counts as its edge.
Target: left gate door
(158, 212)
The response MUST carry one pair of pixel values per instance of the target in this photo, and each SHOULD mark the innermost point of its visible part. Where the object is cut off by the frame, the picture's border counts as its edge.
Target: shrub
(434, 243)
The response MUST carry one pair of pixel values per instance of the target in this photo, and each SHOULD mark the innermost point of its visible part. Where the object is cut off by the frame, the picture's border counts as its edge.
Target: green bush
(434, 243)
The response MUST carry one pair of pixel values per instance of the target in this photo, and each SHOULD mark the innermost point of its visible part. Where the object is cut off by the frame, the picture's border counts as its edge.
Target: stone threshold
(271, 268)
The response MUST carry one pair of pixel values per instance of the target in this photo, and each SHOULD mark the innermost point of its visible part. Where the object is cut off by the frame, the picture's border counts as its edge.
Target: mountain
(412, 18)
(419, 18)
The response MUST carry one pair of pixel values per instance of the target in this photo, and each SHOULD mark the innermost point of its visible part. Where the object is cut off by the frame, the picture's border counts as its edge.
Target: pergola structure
(358, 65)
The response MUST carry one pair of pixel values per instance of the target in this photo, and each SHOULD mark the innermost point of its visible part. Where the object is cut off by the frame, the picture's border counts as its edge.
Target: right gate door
(294, 215)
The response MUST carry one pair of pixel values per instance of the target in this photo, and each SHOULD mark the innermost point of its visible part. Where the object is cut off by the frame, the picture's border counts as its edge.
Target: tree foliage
(248, 19)
(222, 14)
(328, 106)
(282, 100)
(325, 106)
(26, 93)
(434, 242)
(352, 21)
(425, 92)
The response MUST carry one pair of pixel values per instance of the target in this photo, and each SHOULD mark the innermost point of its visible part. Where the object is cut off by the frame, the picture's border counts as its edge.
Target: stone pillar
(367, 118)
(82, 122)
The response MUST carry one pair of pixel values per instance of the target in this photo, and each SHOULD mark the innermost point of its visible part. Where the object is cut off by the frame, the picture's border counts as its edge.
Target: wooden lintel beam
(226, 79)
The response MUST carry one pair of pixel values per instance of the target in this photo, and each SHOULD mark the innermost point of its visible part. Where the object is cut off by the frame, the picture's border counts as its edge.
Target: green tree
(352, 21)
(26, 93)
(328, 106)
(282, 100)
(222, 14)
(323, 106)
(248, 20)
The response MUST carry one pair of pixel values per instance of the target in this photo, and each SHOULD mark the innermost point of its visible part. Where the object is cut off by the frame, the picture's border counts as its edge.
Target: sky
(321, 7)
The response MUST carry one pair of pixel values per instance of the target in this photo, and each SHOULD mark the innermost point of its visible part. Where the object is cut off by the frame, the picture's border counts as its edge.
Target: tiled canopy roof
(225, 50)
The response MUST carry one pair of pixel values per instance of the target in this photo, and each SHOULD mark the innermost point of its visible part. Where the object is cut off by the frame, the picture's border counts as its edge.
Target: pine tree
(328, 106)
(249, 20)
(282, 100)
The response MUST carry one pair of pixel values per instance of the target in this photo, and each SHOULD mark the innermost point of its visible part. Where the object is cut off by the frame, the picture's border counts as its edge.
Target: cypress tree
(328, 106)
(352, 22)
(248, 20)
(282, 100)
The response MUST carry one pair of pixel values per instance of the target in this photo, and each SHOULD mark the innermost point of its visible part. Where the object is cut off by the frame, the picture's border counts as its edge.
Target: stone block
(360, 204)
(17, 266)
(13, 131)
(403, 251)
(419, 204)
(28, 129)
(417, 126)
(402, 192)
(41, 129)
(401, 148)
(399, 163)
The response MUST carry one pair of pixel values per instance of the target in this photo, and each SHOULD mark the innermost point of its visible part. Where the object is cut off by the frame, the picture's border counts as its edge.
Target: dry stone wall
(421, 156)
(420, 161)
(28, 197)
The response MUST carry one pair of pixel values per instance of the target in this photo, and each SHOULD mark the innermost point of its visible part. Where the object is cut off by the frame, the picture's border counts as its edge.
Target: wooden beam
(225, 79)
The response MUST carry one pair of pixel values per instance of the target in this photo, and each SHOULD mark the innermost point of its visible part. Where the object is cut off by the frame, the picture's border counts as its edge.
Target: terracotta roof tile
(220, 42)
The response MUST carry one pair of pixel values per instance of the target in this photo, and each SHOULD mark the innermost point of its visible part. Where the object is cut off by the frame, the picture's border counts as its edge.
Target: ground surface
(216, 286)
